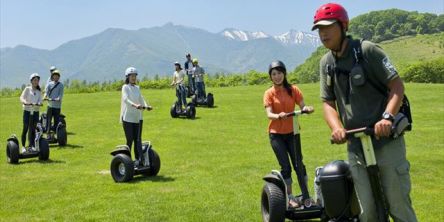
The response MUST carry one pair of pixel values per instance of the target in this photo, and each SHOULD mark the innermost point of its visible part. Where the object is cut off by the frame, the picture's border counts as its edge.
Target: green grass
(212, 167)
(405, 51)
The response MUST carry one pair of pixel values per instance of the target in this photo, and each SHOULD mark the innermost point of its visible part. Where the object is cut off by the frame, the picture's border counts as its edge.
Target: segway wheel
(191, 111)
(44, 149)
(122, 168)
(210, 100)
(194, 100)
(155, 164)
(12, 152)
(62, 119)
(173, 112)
(62, 137)
(273, 203)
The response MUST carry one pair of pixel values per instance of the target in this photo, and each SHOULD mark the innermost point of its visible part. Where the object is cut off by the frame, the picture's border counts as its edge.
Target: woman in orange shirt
(279, 100)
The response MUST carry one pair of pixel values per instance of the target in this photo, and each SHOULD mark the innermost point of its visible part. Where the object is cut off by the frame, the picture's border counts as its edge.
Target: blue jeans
(191, 84)
(200, 90)
(181, 95)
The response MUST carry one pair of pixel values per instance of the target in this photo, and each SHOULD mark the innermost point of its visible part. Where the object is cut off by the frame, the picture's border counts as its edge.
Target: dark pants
(285, 147)
(200, 89)
(181, 95)
(29, 123)
(133, 132)
(191, 84)
(52, 113)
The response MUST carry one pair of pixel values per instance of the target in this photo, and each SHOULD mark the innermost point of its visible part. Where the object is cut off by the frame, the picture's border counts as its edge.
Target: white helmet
(32, 76)
(130, 70)
(52, 68)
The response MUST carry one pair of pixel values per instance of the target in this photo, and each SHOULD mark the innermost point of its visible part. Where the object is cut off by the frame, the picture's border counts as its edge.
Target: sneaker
(136, 163)
(23, 149)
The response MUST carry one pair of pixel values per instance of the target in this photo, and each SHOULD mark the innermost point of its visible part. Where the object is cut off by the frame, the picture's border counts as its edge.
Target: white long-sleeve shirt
(131, 96)
(31, 96)
(178, 77)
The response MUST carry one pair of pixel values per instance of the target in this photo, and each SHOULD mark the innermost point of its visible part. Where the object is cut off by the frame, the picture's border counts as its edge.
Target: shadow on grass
(67, 146)
(184, 117)
(206, 107)
(159, 178)
(70, 133)
(49, 161)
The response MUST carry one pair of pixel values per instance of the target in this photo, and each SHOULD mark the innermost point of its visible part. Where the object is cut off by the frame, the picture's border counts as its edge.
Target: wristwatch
(388, 116)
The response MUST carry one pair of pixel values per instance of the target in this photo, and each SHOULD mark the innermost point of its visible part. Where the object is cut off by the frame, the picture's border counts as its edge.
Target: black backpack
(358, 57)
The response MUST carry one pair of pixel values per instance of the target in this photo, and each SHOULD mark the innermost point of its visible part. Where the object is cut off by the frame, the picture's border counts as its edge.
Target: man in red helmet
(352, 75)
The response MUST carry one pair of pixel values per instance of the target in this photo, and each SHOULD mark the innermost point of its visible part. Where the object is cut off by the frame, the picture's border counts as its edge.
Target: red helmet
(330, 13)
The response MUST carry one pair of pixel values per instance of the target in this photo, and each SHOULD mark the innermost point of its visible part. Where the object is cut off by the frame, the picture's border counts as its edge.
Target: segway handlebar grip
(350, 133)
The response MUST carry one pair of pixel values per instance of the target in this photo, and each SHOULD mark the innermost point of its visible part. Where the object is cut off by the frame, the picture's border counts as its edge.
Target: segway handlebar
(297, 113)
(146, 107)
(32, 104)
(351, 133)
(49, 99)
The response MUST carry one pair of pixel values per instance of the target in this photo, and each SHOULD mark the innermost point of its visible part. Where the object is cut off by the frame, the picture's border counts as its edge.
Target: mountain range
(153, 51)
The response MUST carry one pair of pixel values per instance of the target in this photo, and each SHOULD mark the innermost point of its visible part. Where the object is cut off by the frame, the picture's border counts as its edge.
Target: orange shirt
(278, 99)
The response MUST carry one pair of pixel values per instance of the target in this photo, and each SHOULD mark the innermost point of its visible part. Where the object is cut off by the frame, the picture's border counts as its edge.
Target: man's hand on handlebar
(383, 128)
(338, 136)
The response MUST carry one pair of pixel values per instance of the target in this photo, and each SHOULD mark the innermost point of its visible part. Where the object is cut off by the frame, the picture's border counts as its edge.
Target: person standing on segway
(188, 65)
(198, 73)
(54, 94)
(178, 81)
(351, 74)
(31, 98)
(131, 115)
(279, 100)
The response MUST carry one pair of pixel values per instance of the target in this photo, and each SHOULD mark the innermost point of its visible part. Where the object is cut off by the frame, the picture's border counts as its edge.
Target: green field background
(212, 167)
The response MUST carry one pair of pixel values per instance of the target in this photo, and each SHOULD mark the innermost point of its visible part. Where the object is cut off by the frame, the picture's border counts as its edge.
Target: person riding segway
(146, 161)
(54, 95)
(31, 99)
(279, 103)
(361, 87)
(200, 98)
(180, 107)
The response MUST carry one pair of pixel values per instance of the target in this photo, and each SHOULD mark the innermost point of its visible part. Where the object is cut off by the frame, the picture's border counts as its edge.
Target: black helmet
(276, 64)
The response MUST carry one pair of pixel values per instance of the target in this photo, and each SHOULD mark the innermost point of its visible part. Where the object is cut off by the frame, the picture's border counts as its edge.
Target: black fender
(275, 179)
(124, 149)
(13, 138)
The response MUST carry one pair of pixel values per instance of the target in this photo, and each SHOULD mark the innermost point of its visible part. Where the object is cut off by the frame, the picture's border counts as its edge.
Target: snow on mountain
(291, 37)
(298, 37)
(241, 35)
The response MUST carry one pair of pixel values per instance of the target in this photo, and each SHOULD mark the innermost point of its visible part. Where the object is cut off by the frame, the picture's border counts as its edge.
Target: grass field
(212, 166)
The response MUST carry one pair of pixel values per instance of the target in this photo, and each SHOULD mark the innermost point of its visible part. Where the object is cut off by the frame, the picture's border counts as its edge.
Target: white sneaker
(23, 149)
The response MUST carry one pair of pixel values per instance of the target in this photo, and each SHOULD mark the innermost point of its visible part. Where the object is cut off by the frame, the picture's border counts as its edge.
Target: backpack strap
(50, 91)
(359, 59)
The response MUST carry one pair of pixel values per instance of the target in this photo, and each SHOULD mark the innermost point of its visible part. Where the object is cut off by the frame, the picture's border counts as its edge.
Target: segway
(203, 101)
(123, 168)
(189, 112)
(57, 133)
(337, 185)
(274, 200)
(40, 149)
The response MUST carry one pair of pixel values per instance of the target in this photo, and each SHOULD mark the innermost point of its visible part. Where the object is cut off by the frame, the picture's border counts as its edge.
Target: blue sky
(47, 24)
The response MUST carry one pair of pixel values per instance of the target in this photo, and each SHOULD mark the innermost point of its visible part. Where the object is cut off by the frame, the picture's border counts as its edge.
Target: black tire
(12, 152)
(173, 112)
(210, 100)
(194, 100)
(154, 164)
(191, 111)
(122, 168)
(63, 121)
(273, 203)
(62, 137)
(44, 149)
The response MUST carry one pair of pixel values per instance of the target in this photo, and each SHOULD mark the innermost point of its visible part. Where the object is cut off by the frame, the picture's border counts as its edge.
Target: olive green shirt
(359, 105)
